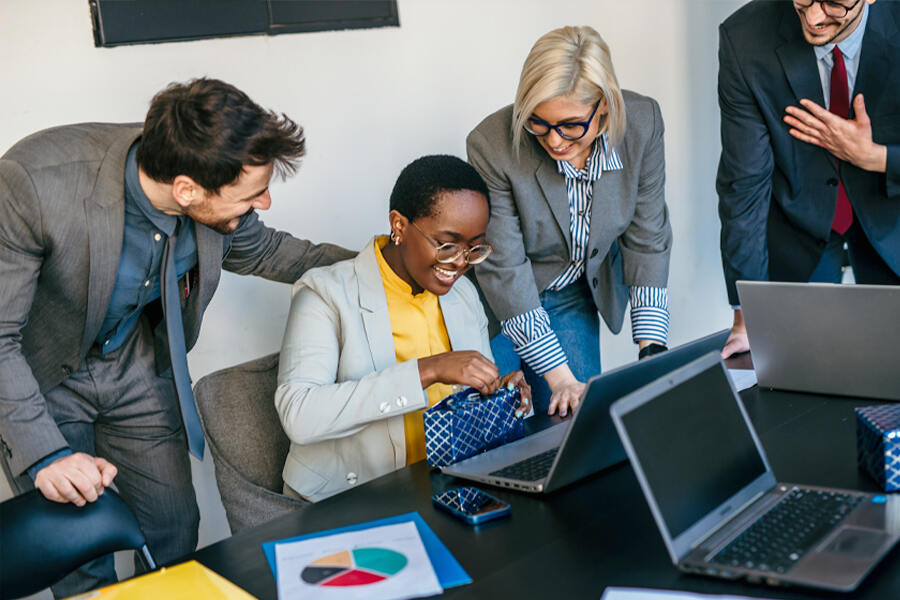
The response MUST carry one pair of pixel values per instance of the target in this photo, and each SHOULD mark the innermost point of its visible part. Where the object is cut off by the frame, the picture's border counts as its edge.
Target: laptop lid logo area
(818, 337)
(695, 454)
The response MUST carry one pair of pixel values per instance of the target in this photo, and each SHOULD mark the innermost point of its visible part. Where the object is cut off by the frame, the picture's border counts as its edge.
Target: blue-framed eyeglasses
(572, 130)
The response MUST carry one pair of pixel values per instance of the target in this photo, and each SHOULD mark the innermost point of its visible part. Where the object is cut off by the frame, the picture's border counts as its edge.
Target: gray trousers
(116, 407)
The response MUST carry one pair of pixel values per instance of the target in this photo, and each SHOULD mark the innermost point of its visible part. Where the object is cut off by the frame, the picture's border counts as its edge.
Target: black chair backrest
(42, 541)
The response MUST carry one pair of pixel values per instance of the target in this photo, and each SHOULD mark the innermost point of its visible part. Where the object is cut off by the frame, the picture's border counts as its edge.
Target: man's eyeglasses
(573, 130)
(450, 252)
(836, 10)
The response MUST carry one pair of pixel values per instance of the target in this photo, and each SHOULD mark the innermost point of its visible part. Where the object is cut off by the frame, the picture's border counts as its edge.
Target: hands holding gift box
(471, 368)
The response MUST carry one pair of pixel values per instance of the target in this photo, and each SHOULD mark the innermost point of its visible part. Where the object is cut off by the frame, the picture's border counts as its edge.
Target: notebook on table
(584, 443)
(717, 504)
(823, 337)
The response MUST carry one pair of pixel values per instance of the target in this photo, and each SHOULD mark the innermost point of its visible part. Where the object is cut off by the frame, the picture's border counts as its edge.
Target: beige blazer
(341, 395)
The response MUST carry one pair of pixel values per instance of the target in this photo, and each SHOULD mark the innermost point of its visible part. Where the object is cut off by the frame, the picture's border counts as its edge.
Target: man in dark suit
(804, 170)
(112, 241)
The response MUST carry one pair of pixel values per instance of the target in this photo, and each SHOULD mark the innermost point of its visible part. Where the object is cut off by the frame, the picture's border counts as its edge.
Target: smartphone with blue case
(471, 505)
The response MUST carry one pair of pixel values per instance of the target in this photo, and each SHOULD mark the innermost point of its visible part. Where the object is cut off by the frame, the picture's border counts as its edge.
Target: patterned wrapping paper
(878, 444)
(466, 423)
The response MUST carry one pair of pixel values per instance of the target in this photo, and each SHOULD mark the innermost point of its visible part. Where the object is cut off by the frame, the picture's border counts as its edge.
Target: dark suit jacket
(630, 238)
(777, 194)
(62, 214)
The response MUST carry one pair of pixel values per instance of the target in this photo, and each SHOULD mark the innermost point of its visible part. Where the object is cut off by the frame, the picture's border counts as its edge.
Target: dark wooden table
(595, 533)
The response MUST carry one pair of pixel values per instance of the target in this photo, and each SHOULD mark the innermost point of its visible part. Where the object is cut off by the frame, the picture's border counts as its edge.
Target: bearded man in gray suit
(90, 215)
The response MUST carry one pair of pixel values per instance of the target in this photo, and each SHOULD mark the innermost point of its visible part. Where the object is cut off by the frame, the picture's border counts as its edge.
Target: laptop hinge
(738, 513)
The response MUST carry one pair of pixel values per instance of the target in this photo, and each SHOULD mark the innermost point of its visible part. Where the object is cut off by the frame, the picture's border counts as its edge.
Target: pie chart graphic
(360, 566)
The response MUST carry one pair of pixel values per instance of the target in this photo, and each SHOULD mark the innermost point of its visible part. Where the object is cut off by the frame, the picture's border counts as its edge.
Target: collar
(602, 158)
(134, 193)
(392, 281)
(849, 47)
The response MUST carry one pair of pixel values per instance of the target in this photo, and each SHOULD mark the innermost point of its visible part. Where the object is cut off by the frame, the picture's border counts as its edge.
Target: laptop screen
(694, 447)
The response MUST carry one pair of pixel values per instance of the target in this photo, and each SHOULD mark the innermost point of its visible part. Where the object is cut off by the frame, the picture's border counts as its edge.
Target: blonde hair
(575, 62)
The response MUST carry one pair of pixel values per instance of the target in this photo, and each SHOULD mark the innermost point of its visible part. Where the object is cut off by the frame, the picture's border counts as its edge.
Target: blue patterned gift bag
(878, 444)
(466, 423)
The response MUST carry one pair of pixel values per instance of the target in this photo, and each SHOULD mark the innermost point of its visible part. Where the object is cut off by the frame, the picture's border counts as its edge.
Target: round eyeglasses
(570, 130)
(836, 10)
(450, 252)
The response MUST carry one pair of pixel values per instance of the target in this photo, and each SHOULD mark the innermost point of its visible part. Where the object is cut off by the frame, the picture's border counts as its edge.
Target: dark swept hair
(208, 130)
(421, 182)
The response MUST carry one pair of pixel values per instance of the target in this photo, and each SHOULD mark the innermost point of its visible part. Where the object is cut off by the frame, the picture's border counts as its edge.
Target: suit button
(351, 478)
(67, 370)
(832, 181)
(401, 401)
(593, 253)
(384, 407)
(595, 282)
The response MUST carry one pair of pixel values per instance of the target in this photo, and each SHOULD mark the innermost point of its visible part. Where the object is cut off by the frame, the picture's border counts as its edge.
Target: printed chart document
(643, 594)
(380, 563)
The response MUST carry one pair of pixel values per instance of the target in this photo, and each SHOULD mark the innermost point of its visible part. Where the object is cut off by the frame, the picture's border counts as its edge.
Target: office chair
(42, 541)
(247, 442)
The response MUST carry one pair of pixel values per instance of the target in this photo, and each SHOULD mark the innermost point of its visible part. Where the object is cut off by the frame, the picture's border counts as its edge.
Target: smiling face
(223, 211)
(565, 109)
(459, 217)
(820, 29)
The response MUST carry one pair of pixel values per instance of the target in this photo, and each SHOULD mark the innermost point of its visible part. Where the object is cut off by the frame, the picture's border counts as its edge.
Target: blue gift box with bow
(878, 444)
(466, 423)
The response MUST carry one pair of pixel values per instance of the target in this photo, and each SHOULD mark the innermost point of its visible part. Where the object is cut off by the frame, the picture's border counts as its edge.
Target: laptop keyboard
(783, 535)
(531, 469)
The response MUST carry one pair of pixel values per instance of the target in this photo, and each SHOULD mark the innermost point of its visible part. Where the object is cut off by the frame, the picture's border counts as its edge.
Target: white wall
(373, 100)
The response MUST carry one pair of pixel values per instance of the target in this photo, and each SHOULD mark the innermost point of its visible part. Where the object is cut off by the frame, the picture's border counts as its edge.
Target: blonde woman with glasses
(579, 224)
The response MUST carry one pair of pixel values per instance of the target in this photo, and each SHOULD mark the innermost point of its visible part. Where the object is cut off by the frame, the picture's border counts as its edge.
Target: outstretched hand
(850, 140)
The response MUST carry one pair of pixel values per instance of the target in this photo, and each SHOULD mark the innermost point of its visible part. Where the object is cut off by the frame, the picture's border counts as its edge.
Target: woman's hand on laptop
(517, 379)
(737, 341)
(566, 390)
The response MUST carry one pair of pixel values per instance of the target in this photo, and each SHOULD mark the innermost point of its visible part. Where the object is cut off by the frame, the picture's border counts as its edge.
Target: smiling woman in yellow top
(373, 341)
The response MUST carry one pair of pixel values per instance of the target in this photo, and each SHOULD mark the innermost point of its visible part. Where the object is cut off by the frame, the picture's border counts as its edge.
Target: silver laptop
(717, 504)
(823, 337)
(584, 443)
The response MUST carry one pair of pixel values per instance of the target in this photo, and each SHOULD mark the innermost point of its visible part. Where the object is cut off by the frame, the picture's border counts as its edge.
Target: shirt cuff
(650, 314)
(534, 340)
(36, 467)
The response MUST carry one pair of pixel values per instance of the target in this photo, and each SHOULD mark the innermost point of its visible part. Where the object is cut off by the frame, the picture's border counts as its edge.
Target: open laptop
(585, 442)
(717, 504)
(823, 337)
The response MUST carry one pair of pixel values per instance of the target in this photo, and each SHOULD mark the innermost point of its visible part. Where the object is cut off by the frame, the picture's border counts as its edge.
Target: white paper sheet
(393, 556)
(644, 594)
(742, 378)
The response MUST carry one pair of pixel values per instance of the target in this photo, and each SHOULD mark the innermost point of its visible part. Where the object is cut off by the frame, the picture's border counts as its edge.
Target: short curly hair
(422, 181)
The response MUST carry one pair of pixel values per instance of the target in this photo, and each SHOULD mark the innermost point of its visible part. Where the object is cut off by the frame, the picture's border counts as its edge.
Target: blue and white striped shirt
(531, 333)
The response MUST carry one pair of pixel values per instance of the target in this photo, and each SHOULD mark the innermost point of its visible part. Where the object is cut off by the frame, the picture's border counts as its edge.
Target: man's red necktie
(840, 105)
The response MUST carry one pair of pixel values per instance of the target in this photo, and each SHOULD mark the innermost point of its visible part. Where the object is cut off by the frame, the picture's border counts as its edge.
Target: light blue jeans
(574, 318)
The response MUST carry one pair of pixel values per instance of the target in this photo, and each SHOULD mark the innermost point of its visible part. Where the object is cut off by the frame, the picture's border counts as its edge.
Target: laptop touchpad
(858, 543)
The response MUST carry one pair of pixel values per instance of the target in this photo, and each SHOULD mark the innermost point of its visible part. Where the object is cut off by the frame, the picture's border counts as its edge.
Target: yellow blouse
(419, 331)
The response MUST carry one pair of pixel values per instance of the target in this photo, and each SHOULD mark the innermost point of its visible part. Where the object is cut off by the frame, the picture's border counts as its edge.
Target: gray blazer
(61, 227)
(630, 239)
(341, 393)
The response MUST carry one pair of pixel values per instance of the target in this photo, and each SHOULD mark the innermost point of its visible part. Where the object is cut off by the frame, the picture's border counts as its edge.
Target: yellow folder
(187, 581)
